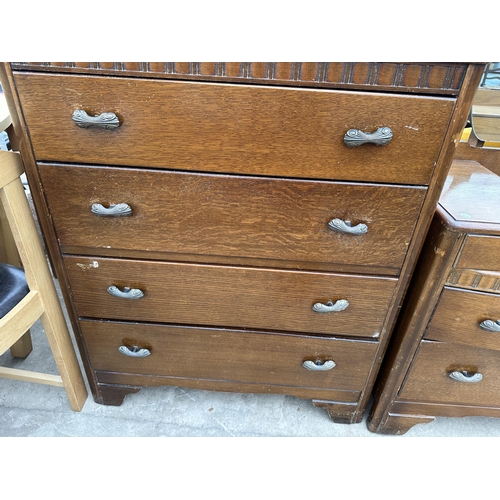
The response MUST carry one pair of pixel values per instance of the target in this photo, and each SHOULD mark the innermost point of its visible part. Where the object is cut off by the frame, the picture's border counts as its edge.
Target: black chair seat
(13, 287)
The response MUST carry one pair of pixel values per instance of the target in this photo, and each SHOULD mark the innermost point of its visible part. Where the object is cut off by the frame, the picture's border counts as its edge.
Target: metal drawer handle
(318, 365)
(380, 137)
(345, 227)
(340, 305)
(134, 351)
(108, 121)
(118, 210)
(127, 293)
(463, 376)
(490, 325)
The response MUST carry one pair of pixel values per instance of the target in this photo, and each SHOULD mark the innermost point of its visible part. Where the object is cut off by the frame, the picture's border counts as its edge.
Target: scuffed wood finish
(229, 296)
(249, 217)
(235, 129)
(348, 398)
(340, 412)
(432, 78)
(401, 424)
(445, 410)
(113, 395)
(237, 356)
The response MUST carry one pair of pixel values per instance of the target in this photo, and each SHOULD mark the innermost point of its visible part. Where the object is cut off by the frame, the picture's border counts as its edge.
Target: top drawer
(234, 128)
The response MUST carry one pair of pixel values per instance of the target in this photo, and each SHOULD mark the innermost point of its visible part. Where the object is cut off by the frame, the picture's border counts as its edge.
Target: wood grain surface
(430, 77)
(229, 296)
(234, 128)
(481, 252)
(217, 215)
(458, 315)
(237, 356)
(428, 380)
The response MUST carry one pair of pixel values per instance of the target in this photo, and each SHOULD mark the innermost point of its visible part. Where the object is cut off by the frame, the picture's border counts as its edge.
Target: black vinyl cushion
(13, 287)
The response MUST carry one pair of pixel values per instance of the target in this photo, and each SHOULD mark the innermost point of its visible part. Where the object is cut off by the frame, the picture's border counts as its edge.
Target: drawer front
(234, 128)
(238, 356)
(481, 253)
(209, 295)
(429, 379)
(206, 214)
(460, 313)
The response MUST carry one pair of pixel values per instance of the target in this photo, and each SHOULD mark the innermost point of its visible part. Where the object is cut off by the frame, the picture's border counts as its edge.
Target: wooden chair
(41, 300)
(481, 142)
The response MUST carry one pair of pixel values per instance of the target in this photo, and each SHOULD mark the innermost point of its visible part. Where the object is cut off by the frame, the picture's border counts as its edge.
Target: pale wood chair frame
(42, 300)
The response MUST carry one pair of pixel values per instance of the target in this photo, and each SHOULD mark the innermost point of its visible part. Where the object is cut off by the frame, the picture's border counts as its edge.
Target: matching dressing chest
(445, 358)
(242, 227)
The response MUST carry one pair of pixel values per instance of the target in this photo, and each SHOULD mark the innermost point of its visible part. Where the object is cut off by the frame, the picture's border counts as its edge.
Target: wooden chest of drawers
(447, 358)
(230, 229)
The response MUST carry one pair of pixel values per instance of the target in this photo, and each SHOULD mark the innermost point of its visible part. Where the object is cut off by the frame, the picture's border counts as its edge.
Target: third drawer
(199, 294)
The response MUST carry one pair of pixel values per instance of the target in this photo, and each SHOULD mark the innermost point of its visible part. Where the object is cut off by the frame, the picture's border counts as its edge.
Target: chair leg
(39, 278)
(22, 347)
(61, 345)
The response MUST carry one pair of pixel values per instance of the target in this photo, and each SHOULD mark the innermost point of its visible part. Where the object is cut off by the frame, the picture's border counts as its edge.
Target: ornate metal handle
(127, 293)
(380, 137)
(318, 365)
(108, 121)
(490, 325)
(463, 376)
(134, 351)
(118, 210)
(344, 226)
(340, 305)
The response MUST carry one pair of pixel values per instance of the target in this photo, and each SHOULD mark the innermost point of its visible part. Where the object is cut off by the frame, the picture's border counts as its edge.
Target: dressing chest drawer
(231, 231)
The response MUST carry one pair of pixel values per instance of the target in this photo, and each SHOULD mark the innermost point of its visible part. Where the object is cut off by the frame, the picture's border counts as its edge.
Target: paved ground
(28, 409)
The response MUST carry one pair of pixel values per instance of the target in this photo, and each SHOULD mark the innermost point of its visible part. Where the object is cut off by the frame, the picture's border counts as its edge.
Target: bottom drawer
(228, 355)
(429, 379)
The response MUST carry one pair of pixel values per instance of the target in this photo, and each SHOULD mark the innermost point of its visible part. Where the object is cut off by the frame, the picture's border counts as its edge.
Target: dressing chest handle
(380, 137)
(127, 293)
(340, 305)
(318, 365)
(134, 351)
(490, 325)
(463, 376)
(118, 210)
(345, 227)
(107, 121)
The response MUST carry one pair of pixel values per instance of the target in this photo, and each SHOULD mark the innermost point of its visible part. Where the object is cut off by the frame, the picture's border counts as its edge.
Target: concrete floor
(28, 409)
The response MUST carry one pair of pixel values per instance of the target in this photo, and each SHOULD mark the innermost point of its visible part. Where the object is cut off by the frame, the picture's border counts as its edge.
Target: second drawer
(228, 296)
(238, 217)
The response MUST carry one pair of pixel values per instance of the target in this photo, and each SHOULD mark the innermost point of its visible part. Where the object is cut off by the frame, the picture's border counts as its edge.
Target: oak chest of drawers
(448, 358)
(237, 226)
